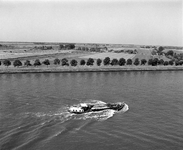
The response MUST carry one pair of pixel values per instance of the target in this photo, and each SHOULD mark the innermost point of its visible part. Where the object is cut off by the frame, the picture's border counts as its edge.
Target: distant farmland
(111, 55)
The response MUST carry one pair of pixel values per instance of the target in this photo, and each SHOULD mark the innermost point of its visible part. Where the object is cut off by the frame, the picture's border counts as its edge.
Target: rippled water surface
(34, 116)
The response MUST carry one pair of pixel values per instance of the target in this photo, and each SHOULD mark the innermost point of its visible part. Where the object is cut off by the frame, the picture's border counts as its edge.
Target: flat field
(111, 55)
(20, 54)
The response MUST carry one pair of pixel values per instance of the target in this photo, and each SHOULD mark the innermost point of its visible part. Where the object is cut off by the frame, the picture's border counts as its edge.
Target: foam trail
(64, 115)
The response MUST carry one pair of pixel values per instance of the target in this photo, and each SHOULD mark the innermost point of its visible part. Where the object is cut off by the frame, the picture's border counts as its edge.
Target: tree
(6, 62)
(79, 48)
(135, 51)
(165, 63)
(83, 48)
(27, 63)
(72, 46)
(122, 62)
(161, 62)
(150, 61)
(114, 62)
(160, 49)
(136, 62)
(155, 62)
(106, 61)
(0, 63)
(99, 61)
(170, 52)
(46, 62)
(37, 62)
(64, 62)
(73, 62)
(17, 63)
(154, 52)
(129, 62)
(86, 49)
(170, 62)
(177, 63)
(143, 61)
(181, 62)
(61, 46)
(69, 46)
(56, 61)
(90, 62)
(82, 62)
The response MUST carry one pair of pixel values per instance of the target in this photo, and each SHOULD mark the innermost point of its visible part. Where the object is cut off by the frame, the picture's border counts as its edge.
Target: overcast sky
(157, 22)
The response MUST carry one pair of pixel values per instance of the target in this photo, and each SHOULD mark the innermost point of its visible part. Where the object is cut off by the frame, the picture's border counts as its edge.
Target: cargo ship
(85, 107)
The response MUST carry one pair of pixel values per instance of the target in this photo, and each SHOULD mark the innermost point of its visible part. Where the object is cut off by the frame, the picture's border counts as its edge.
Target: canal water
(34, 116)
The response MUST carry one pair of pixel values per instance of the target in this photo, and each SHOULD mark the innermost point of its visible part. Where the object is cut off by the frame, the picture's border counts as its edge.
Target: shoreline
(89, 69)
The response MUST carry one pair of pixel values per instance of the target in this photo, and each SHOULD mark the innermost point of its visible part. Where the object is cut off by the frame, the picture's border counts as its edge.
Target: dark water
(33, 111)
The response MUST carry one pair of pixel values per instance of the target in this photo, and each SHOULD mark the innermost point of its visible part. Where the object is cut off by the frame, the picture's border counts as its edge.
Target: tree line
(90, 62)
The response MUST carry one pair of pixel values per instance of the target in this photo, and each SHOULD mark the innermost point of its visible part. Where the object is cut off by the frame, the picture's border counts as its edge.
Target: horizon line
(89, 43)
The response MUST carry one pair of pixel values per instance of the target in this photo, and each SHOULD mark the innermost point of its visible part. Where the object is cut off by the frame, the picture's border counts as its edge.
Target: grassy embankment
(90, 69)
